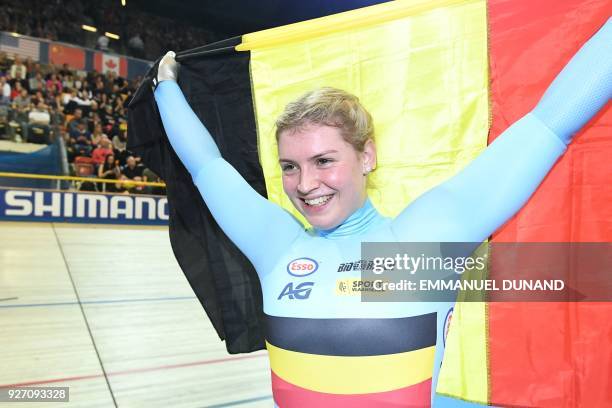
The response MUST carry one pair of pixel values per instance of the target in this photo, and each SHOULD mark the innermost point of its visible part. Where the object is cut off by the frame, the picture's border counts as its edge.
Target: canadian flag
(107, 62)
(110, 63)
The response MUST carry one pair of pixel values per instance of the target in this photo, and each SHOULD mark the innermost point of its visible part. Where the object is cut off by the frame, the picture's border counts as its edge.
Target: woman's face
(323, 175)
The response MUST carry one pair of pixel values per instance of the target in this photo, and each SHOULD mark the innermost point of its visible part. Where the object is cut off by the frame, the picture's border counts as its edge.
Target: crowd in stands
(88, 110)
(141, 34)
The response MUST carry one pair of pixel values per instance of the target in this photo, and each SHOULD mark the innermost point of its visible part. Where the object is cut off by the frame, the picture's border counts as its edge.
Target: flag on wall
(104, 63)
(64, 54)
(23, 47)
(49, 52)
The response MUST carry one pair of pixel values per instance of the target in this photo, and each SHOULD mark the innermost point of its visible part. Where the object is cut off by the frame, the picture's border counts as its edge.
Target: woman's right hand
(168, 68)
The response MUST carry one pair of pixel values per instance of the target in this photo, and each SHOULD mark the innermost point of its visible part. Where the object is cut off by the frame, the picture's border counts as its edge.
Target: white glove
(168, 68)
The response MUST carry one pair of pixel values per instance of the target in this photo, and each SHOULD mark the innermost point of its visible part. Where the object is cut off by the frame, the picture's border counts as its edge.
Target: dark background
(236, 17)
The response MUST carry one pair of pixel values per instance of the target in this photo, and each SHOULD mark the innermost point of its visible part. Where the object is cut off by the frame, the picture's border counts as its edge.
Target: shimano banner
(81, 207)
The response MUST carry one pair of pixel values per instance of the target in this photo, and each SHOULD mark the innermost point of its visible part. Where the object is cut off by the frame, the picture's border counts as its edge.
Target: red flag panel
(551, 354)
(63, 54)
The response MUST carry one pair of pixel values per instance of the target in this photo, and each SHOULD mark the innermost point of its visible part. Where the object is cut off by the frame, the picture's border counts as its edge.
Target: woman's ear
(369, 156)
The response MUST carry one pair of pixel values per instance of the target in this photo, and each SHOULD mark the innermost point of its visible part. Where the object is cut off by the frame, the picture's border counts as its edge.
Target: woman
(110, 170)
(328, 350)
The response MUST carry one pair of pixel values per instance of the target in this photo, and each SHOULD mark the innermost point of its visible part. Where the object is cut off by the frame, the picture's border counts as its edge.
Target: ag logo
(302, 267)
(447, 322)
(301, 291)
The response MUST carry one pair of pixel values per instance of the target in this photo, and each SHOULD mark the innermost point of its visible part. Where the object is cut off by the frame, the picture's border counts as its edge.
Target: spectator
(85, 92)
(68, 81)
(120, 146)
(65, 70)
(76, 119)
(110, 170)
(16, 90)
(36, 83)
(18, 79)
(18, 68)
(21, 108)
(29, 64)
(73, 102)
(94, 120)
(38, 96)
(108, 116)
(36, 69)
(103, 149)
(97, 134)
(6, 91)
(134, 171)
(57, 119)
(80, 140)
(120, 140)
(102, 43)
(39, 121)
(99, 90)
(78, 82)
(39, 115)
(93, 111)
(54, 85)
(109, 121)
(21, 103)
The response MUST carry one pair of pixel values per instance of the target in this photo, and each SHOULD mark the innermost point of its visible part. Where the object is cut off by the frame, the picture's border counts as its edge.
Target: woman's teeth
(318, 201)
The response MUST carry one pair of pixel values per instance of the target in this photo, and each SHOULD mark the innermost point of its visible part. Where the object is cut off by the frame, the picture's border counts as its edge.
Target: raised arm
(473, 204)
(258, 227)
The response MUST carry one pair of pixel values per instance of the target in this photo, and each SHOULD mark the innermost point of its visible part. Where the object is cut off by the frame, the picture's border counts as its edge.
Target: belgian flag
(419, 67)
(441, 78)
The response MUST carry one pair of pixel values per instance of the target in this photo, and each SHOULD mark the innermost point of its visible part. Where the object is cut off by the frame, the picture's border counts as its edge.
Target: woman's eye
(322, 161)
(287, 167)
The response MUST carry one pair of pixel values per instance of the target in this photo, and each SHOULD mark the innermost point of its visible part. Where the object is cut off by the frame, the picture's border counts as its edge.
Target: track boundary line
(240, 402)
(76, 293)
(134, 371)
(96, 302)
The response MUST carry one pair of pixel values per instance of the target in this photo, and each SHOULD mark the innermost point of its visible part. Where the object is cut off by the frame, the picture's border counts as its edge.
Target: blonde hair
(331, 107)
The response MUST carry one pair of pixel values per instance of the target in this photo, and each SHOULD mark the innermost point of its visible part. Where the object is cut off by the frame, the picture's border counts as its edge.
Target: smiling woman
(383, 354)
(326, 148)
(323, 175)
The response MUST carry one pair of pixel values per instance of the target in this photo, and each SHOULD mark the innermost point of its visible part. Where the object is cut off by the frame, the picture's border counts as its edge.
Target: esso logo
(302, 267)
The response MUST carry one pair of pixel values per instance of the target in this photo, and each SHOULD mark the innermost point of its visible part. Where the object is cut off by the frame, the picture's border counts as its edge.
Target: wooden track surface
(107, 312)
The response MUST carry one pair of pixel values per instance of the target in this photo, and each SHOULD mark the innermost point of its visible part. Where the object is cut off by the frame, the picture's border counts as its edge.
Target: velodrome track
(107, 312)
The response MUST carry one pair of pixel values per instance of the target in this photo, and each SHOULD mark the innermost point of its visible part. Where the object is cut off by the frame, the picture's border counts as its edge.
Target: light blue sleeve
(485, 194)
(262, 230)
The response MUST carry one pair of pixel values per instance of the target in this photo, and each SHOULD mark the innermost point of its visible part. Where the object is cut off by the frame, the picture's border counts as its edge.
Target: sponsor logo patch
(356, 286)
(302, 267)
(300, 291)
(356, 266)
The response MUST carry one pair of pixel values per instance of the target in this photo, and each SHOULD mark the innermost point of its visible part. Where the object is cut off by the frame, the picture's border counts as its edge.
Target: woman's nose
(309, 181)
